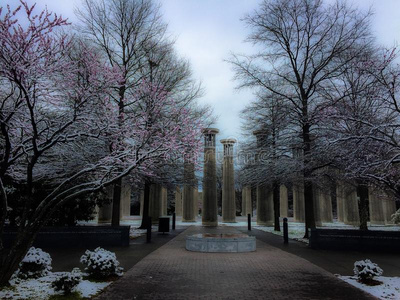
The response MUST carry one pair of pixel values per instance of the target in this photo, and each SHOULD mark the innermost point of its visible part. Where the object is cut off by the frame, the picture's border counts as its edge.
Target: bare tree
(133, 38)
(301, 41)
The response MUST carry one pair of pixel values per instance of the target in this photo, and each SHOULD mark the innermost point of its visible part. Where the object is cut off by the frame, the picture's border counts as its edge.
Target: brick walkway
(171, 272)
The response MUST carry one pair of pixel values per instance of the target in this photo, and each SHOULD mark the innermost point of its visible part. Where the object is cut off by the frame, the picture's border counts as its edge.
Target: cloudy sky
(207, 31)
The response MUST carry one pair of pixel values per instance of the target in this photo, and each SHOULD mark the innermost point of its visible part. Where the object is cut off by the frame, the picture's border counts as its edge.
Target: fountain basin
(214, 243)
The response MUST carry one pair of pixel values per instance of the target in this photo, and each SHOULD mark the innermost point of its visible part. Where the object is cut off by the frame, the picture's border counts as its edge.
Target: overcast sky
(207, 31)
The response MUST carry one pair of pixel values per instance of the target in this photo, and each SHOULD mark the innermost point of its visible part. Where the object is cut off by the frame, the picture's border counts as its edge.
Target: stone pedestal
(376, 211)
(246, 201)
(322, 206)
(220, 243)
(265, 206)
(348, 196)
(210, 209)
(228, 183)
(283, 201)
(105, 212)
(298, 203)
(188, 201)
(178, 202)
(155, 205)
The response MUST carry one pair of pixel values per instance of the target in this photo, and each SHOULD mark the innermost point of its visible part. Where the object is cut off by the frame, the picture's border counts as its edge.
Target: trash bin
(163, 224)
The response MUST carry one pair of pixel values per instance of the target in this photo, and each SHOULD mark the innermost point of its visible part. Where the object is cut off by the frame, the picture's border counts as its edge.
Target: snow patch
(389, 289)
(41, 288)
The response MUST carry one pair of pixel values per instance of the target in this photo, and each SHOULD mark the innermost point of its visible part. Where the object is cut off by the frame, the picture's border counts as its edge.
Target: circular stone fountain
(206, 242)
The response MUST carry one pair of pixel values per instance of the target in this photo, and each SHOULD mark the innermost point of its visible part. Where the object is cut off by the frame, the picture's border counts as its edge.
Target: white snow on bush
(101, 263)
(366, 269)
(396, 217)
(41, 288)
(389, 289)
(36, 263)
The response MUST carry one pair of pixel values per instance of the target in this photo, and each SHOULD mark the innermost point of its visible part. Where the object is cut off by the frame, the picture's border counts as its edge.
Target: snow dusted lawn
(296, 230)
(389, 289)
(41, 288)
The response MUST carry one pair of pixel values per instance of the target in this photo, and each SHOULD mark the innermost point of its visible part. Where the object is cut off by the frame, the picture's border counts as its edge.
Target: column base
(268, 223)
(210, 224)
(299, 221)
(352, 223)
(229, 221)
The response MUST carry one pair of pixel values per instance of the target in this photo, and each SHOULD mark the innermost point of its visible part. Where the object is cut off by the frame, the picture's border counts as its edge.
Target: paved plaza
(172, 272)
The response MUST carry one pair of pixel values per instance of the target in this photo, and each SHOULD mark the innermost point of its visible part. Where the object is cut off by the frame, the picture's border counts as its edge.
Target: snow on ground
(135, 232)
(295, 231)
(88, 288)
(41, 288)
(389, 289)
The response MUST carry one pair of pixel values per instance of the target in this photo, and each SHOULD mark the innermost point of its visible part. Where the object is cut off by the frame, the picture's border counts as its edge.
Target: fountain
(208, 242)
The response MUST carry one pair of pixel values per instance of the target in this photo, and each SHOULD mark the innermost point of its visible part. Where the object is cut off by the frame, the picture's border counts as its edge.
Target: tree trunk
(362, 191)
(10, 260)
(276, 196)
(116, 204)
(146, 204)
(308, 188)
(309, 207)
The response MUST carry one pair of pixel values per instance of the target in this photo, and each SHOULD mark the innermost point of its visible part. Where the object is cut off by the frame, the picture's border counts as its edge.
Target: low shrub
(35, 264)
(67, 282)
(396, 217)
(101, 264)
(366, 270)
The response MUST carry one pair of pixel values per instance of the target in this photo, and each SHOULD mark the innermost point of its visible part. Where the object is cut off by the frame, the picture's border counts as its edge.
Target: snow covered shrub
(366, 270)
(67, 282)
(101, 263)
(35, 264)
(396, 217)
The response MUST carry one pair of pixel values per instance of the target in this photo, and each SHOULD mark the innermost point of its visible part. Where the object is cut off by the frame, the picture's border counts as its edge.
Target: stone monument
(228, 183)
(209, 213)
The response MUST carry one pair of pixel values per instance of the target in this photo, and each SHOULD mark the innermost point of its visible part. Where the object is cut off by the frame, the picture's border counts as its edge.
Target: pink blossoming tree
(58, 122)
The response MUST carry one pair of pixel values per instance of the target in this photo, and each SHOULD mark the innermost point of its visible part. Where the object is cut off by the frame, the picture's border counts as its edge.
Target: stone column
(389, 207)
(339, 202)
(284, 201)
(322, 206)
(141, 202)
(178, 202)
(210, 209)
(264, 193)
(155, 207)
(164, 202)
(105, 212)
(348, 195)
(125, 208)
(228, 183)
(200, 202)
(188, 193)
(298, 203)
(265, 205)
(196, 203)
(246, 201)
(376, 211)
